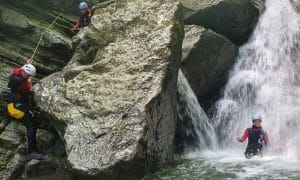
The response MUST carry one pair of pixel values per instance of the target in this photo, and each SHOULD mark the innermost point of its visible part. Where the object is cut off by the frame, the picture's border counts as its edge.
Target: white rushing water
(266, 80)
(199, 126)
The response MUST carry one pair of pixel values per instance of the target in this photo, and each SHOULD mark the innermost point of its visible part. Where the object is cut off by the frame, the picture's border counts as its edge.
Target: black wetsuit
(18, 96)
(84, 19)
(255, 142)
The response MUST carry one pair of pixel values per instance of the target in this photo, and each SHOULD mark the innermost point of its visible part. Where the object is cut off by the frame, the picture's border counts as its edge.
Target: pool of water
(214, 165)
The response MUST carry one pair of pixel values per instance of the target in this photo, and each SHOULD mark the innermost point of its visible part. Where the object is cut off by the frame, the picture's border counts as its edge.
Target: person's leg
(249, 153)
(31, 128)
(21, 112)
(258, 151)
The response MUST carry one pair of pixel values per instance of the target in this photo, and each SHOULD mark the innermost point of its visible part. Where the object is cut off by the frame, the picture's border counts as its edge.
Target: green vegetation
(162, 52)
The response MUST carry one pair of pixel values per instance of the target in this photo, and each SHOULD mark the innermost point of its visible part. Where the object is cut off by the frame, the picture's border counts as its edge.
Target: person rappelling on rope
(18, 104)
(257, 138)
(84, 18)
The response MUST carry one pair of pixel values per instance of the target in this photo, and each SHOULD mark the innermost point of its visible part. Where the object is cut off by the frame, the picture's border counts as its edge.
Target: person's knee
(28, 120)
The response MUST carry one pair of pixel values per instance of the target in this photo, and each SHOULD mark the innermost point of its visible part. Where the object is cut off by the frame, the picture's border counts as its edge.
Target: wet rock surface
(12, 152)
(235, 19)
(208, 57)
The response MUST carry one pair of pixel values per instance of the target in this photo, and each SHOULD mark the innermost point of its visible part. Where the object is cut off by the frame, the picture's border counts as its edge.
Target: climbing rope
(43, 34)
(62, 18)
(62, 26)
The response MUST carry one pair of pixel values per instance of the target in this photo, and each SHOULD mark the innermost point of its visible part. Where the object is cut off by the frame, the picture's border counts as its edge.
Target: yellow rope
(65, 27)
(42, 36)
(62, 18)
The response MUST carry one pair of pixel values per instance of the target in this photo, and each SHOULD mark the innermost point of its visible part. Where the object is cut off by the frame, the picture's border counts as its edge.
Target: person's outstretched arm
(90, 13)
(266, 140)
(244, 136)
(76, 26)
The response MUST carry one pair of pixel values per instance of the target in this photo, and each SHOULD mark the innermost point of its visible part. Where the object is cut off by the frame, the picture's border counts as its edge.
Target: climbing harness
(261, 139)
(255, 143)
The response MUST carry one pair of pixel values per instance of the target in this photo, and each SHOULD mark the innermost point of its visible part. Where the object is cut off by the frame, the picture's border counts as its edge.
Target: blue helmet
(83, 5)
(256, 117)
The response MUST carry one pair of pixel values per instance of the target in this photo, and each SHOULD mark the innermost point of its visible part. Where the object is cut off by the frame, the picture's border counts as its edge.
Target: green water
(226, 165)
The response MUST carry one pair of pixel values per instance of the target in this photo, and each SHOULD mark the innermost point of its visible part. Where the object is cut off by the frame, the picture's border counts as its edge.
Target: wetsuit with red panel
(257, 138)
(84, 19)
(19, 105)
(20, 88)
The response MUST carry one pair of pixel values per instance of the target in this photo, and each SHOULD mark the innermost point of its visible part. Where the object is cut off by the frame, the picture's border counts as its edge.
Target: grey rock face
(207, 63)
(21, 25)
(11, 150)
(296, 5)
(52, 167)
(234, 19)
(116, 109)
(67, 6)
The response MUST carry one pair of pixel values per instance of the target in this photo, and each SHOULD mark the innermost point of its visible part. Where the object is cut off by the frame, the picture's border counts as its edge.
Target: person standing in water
(257, 138)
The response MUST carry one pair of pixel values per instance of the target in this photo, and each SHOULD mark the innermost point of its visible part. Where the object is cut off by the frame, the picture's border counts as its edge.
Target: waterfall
(195, 127)
(265, 80)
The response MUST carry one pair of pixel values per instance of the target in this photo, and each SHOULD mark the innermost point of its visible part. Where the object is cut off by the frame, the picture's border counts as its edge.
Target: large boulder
(208, 57)
(234, 19)
(114, 104)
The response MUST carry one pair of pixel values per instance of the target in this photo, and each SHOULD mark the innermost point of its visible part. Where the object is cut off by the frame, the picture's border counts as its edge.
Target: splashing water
(266, 80)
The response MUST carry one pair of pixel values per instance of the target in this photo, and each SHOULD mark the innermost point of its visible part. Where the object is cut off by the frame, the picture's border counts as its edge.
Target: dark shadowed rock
(52, 166)
(209, 57)
(235, 19)
(296, 5)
